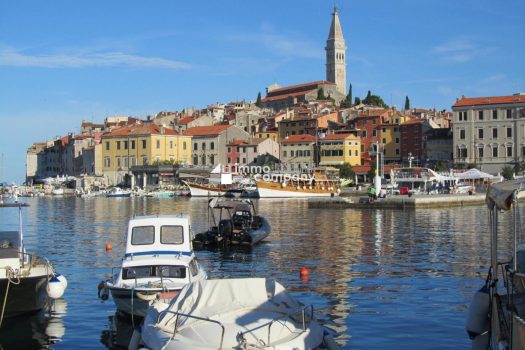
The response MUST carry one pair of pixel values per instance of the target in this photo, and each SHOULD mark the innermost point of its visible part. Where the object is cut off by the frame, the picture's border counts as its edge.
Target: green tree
(258, 102)
(320, 94)
(374, 100)
(440, 166)
(407, 103)
(349, 96)
(357, 101)
(346, 171)
(507, 172)
(372, 172)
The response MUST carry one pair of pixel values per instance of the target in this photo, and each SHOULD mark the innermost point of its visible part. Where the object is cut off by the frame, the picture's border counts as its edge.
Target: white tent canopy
(473, 174)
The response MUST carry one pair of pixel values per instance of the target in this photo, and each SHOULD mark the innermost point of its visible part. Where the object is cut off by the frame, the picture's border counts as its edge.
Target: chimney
(162, 130)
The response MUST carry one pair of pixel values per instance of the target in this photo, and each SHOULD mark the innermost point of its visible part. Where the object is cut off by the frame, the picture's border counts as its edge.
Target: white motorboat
(497, 312)
(300, 185)
(57, 190)
(159, 261)
(118, 192)
(248, 313)
(26, 280)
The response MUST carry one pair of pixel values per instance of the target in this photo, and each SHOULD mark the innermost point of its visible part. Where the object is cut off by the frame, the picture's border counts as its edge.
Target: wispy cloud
(12, 57)
(289, 46)
(460, 50)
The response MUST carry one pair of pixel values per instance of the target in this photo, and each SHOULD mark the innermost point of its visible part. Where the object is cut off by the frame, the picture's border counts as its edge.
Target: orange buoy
(304, 273)
(108, 247)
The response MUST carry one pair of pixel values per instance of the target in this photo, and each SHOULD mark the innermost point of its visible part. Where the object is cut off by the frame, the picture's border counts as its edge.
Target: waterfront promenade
(399, 202)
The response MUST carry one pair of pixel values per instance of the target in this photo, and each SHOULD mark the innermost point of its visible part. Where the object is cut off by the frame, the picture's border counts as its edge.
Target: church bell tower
(336, 54)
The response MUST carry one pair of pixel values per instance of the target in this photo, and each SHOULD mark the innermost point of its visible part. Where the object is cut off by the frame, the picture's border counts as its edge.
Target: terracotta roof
(299, 138)
(212, 130)
(285, 96)
(186, 120)
(330, 137)
(491, 100)
(290, 87)
(141, 129)
(414, 121)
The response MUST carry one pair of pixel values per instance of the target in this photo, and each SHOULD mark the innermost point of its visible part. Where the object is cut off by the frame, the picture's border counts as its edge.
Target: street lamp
(410, 159)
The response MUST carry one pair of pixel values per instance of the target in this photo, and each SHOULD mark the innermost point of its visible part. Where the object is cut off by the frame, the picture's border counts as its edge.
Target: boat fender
(103, 291)
(478, 321)
(62, 280)
(55, 288)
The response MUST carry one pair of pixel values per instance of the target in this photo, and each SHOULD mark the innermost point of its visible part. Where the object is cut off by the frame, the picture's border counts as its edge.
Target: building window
(291, 153)
(374, 133)
(374, 121)
(229, 149)
(126, 162)
(212, 159)
(356, 153)
(107, 162)
(363, 133)
(171, 144)
(132, 144)
(238, 160)
(284, 153)
(397, 151)
(144, 160)
(133, 161)
(244, 161)
(461, 134)
(212, 145)
(203, 146)
(118, 144)
(158, 144)
(362, 148)
(495, 114)
(480, 153)
(462, 153)
(384, 141)
(195, 160)
(195, 146)
(118, 162)
(229, 160)
(107, 145)
(494, 151)
(184, 145)
(480, 115)
(125, 144)
(397, 139)
(144, 144)
(495, 133)
(480, 134)
(509, 132)
(509, 151)
(509, 114)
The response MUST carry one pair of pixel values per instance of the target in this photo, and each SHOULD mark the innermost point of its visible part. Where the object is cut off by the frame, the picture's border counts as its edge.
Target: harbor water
(396, 279)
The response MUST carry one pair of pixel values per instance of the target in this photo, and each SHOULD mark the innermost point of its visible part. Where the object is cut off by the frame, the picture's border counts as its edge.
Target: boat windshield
(154, 271)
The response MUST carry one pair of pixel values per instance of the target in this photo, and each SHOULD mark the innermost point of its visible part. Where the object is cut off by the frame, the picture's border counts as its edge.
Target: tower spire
(336, 54)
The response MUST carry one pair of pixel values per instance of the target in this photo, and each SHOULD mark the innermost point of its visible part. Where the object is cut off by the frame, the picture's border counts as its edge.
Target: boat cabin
(159, 235)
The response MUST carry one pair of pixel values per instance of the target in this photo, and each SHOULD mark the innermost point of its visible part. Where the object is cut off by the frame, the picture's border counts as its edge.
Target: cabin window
(154, 271)
(171, 235)
(142, 235)
(136, 272)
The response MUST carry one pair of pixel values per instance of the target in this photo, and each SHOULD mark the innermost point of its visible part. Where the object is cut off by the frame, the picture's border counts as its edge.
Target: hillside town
(306, 125)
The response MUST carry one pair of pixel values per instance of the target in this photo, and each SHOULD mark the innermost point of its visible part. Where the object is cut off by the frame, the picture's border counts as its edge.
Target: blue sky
(65, 61)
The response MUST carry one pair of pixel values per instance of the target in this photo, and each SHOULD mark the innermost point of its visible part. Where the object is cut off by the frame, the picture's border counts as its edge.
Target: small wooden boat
(158, 262)
(247, 313)
(234, 221)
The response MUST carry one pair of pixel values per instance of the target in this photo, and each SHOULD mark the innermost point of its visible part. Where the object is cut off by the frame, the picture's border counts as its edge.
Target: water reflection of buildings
(39, 331)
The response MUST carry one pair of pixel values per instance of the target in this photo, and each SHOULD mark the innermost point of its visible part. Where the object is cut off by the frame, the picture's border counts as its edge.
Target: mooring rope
(12, 278)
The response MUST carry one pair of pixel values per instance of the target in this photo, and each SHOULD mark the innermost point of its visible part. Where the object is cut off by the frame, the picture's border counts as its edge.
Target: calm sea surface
(378, 279)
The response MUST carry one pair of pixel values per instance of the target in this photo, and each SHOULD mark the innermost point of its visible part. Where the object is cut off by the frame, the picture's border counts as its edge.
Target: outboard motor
(478, 321)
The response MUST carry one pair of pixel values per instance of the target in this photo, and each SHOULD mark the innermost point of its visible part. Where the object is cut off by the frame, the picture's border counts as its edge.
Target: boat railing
(177, 314)
(304, 321)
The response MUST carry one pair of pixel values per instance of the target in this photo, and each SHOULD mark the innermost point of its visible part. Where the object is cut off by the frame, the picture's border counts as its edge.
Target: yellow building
(141, 144)
(337, 149)
(391, 138)
(273, 134)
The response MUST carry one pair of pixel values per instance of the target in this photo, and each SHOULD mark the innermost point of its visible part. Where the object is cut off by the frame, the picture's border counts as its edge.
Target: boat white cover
(502, 194)
(248, 305)
(213, 298)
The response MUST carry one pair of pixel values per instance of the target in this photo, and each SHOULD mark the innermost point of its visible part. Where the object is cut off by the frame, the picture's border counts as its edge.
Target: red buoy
(304, 274)
(108, 247)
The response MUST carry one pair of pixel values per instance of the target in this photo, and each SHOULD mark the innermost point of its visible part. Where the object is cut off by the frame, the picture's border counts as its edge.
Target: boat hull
(284, 193)
(129, 302)
(27, 297)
